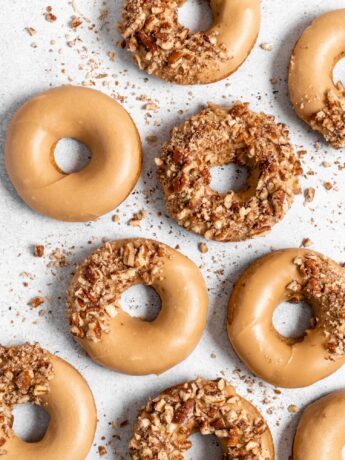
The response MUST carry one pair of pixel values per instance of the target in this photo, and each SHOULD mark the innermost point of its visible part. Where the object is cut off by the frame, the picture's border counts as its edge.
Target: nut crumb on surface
(39, 250)
(293, 409)
(267, 46)
(203, 248)
(37, 301)
(309, 194)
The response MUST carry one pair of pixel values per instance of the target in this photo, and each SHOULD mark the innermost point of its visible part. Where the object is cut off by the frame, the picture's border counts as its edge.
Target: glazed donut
(165, 48)
(208, 406)
(316, 98)
(217, 136)
(29, 374)
(124, 343)
(92, 118)
(320, 432)
(289, 275)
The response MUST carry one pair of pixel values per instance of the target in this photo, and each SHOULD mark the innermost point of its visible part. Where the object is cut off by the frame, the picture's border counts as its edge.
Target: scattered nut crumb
(203, 248)
(37, 301)
(102, 450)
(39, 250)
(293, 409)
(31, 31)
(309, 194)
(328, 185)
(267, 46)
(116, 218)
(307, 242)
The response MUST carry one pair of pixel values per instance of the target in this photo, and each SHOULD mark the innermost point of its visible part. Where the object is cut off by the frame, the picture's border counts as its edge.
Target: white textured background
(30, 64)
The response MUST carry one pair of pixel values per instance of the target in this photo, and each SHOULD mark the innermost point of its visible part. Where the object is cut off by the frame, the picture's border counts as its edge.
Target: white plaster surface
(26, 70)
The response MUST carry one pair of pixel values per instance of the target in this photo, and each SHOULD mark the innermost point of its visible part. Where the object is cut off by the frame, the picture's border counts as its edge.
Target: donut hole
(141, 301)
(339, 71)
(71, 156)
(30, 422)
(196, 15)
(204, 447)
(292, 319)
(229, 177)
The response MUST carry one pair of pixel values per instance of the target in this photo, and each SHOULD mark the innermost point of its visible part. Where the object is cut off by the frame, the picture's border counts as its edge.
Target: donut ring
(217, 136)
(208, 406)
(316, 98)
(295, 275)
(124, 343)
(30, 374)
(320, 432)
(92, 118)
(165, 48)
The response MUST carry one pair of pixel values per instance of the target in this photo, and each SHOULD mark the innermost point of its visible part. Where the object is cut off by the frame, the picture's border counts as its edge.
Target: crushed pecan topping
(25, 372)
(162, 46)
(217, 136)
(330, 121)
(322, 285)
(97, 286)
(212, 407)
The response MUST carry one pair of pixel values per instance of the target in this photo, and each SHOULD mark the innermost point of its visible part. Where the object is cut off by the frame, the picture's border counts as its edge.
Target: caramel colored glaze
(73, 420)
(237, 23)
(320, 47)
(320, 433)
(90, 117)
(139, 347)
(289, 363)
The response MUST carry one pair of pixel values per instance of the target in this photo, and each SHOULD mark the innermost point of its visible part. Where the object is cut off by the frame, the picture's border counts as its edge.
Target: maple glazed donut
(128, 344)
(217, 136)
(163, 47)
(29, 374)
(289, 275)
(316, 98)
(208, 406)
(90, 117)
(320, 432)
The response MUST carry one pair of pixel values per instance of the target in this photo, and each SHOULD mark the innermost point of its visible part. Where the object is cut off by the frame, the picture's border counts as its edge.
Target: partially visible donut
(320, 431)
(29, 374)
(217, 136)
(165, 48)
(317, 99)
(289, 275)
(208, 406)
(125, 343)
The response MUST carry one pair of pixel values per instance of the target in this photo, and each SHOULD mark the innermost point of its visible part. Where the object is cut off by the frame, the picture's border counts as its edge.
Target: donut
(317, 99)
(168, 50)
(217, 136)
(289, 275)
(128, 344)
(320, 431)
(30, 374)
(90, 117)
(209, 406)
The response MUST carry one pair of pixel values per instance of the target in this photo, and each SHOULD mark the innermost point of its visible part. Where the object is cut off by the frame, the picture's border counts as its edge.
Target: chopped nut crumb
(293, 409)
(203, 248)
(328, 185)
(309, 194)
(267, 46)
(31, 31)
(116, 218)
(39, 250)
(37, 301)
(307, 242)
(102, 450)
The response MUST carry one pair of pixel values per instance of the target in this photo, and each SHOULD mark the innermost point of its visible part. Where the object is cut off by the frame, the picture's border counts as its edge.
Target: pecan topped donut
(293, 275)
(167, 49)
(30, 374)
(210, 406)
(217, 136)
(126, 343)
